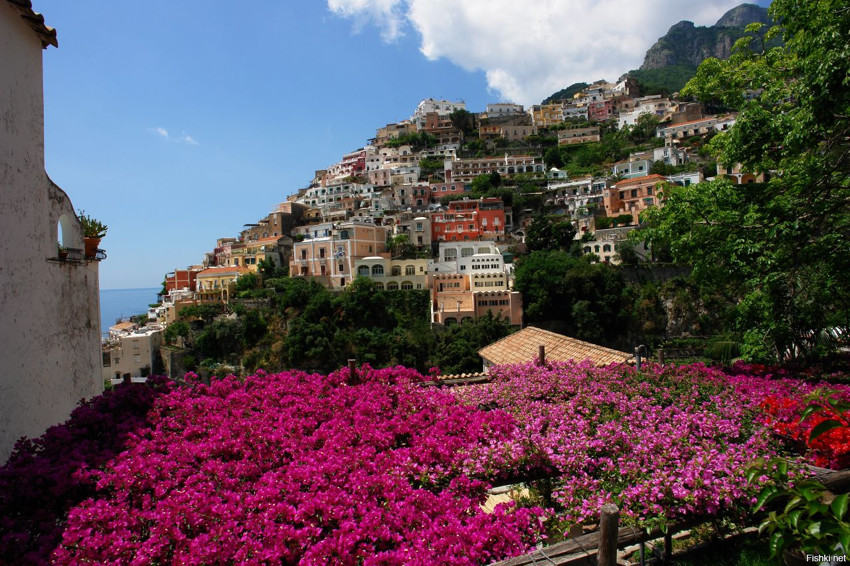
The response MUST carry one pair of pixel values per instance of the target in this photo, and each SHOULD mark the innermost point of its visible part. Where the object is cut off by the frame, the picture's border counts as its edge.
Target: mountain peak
(687, 45)
(740, 16)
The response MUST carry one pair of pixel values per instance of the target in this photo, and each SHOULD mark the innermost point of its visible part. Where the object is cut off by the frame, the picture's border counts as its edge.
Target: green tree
(644, 128)
(401, 247)
(463, 120)
(572, 295)
(430, 165)
(779, 249)
(456, 346)
(205, 311)
(175, 329)
(550, 234)
(221, 340)
(247, 282)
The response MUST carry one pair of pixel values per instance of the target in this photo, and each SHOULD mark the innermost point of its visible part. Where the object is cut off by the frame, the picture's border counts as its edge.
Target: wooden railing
(600, 547)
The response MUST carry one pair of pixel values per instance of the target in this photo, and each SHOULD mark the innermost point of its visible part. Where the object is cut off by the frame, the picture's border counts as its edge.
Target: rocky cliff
(687, 45)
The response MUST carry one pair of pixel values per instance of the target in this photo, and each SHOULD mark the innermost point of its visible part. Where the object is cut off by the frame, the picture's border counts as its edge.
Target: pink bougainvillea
(373, 468)
(301, 468)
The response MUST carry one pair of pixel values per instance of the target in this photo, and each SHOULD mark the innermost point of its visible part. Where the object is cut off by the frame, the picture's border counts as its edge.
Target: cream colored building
(578, 135)
(394, 274)
(131, 352)
(331, 257)
(50, 308)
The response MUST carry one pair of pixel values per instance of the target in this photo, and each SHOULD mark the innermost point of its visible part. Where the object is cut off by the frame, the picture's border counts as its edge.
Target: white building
(440, 107)
(50, 336)
(655, 105)
(504, 109)
(131, 352)
(467, 258)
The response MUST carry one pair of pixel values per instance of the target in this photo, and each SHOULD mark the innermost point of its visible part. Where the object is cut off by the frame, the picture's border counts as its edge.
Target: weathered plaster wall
(49, 311)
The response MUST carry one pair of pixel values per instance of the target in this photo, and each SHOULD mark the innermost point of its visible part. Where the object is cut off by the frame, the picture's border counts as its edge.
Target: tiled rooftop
(524, 346)
(36, 21)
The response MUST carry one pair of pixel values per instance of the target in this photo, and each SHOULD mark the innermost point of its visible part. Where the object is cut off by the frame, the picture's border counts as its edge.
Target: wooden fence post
(541, 355)
(609, 519)
(352, 372)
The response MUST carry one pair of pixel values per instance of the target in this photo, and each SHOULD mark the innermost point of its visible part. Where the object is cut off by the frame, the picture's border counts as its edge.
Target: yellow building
(547, 114)
(217, 283)
(394, 274)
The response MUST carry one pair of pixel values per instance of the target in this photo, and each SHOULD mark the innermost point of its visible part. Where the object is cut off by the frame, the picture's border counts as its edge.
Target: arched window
(392, 286)
(377, 270)
(449, 321)
(363, 271)
(606, 248)
(396, 270)
(406, 285)
(409, 270)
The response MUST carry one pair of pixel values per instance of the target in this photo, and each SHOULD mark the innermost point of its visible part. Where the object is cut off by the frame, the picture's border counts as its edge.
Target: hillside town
(398, 211)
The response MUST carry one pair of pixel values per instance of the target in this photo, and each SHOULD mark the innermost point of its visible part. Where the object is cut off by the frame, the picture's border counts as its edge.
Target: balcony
(75, 256)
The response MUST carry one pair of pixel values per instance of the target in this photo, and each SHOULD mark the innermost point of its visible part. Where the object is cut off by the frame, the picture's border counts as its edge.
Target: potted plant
(62, 252)
(93, 231)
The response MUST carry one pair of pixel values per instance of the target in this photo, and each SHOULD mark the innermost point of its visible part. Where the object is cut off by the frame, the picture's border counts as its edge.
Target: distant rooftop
(524, 346)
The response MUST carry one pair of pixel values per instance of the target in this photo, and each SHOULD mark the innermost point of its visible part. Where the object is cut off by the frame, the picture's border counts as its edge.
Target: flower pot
(91, 245)
(63, 255)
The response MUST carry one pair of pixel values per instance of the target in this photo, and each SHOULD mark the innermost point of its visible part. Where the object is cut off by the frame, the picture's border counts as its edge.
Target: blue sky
(175, 123)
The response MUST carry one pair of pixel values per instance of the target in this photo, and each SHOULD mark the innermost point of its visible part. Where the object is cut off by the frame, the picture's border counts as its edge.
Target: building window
(377, 270)
(303, 254)
(410, 270)
(363, 271)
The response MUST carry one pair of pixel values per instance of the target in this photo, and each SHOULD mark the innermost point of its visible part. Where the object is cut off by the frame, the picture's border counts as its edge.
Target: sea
(118, 304)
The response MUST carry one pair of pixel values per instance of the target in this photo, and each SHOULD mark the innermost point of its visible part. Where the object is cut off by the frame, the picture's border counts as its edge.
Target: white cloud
(159, 131)
(187, 139)
(182, 138)
(528, 50)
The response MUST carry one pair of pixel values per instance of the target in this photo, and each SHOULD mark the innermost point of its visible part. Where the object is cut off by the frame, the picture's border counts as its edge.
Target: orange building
(632, 196)
(453, 301)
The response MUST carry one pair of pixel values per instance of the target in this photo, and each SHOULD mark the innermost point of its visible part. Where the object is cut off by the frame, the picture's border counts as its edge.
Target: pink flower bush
(372, 468)
(664, 444)
(44, 478)
(301, 468)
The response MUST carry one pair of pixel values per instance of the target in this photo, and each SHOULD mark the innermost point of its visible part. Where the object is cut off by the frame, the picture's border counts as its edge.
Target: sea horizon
(118, 304)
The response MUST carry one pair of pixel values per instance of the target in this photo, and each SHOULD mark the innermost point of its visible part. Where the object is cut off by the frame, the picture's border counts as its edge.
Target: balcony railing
(77, 256)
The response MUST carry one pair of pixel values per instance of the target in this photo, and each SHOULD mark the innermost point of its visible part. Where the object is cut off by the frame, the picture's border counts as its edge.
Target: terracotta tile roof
(654, 178)
(36, 22)
(222, 270)
(523, 346)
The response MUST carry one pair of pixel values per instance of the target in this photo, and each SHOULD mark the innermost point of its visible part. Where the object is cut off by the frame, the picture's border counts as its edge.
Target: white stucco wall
(49, 310)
